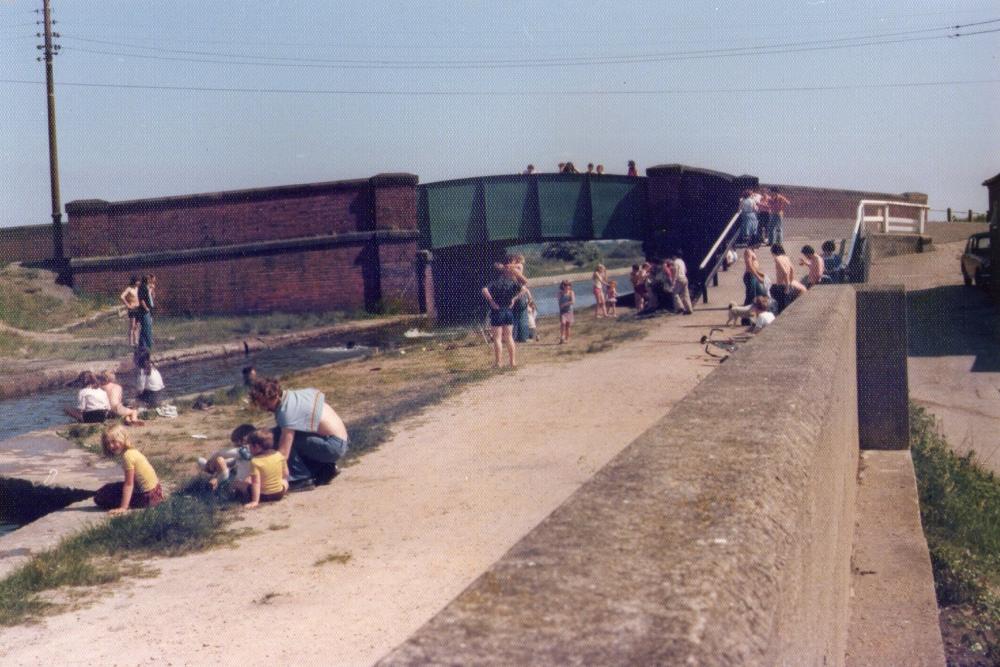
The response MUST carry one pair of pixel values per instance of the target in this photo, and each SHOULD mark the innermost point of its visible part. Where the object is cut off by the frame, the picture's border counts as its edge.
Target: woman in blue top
(312, 436)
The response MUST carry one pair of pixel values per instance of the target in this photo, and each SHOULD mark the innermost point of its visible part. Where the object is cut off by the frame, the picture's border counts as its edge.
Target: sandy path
(420, 518)
(954, 357)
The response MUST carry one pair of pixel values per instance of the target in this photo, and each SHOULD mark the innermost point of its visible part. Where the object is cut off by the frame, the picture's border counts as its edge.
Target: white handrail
(884, 218)
(715, 245)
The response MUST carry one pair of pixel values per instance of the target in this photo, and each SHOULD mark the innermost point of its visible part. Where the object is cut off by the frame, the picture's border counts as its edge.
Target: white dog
(737, 313)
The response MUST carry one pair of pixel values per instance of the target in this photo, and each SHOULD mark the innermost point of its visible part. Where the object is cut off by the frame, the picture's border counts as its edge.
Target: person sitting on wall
(92, 403)
(814, 266)
(312, 435)
(832, 263)
(786, 288)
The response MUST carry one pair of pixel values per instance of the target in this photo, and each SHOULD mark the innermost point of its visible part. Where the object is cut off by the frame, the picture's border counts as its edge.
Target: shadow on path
(954, 320)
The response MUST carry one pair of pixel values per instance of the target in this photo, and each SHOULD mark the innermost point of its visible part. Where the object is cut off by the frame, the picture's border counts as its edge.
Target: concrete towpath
(343, 574)
(954, 348)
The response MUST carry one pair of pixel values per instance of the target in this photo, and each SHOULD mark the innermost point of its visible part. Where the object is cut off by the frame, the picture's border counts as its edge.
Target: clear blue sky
(473, 87)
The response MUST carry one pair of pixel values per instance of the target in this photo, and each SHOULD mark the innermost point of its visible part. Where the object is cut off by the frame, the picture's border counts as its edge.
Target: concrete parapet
(883, 394)
(722, 535)
(890, 245)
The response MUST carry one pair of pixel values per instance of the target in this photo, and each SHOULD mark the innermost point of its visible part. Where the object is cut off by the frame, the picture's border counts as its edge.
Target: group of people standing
(762, 216)
(667, 279)
(139, 299)
(570, 168)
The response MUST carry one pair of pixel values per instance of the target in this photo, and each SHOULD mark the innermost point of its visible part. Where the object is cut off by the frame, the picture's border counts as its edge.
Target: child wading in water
(268, 470)
(612, 299)
(566, 300)
(141, 487)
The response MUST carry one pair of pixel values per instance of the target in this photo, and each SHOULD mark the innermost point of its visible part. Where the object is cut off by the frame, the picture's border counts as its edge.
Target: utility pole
(50, 51)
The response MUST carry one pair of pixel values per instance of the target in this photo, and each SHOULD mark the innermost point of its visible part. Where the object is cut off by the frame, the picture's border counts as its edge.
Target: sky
(176, 97)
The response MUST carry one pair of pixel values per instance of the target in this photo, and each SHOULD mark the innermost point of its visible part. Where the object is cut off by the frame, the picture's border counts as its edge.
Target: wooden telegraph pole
(50, 51)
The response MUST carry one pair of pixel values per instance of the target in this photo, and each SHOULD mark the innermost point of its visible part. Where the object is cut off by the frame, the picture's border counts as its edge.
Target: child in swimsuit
(566, 301)
(612, 299)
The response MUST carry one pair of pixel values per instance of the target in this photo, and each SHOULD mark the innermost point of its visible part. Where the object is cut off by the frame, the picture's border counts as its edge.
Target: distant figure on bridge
(600, 170)
(813, 264)
(529, 170)
(568, 168)
(501, 294)
(590, 168)
(632, 171)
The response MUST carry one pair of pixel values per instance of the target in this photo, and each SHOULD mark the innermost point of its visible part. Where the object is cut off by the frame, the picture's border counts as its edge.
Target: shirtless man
(786, 288)
(313, 436)
(114, 391)
(814, 264)
(130, 298)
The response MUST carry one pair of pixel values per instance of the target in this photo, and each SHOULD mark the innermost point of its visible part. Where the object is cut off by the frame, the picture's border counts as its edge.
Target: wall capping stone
(242, 249)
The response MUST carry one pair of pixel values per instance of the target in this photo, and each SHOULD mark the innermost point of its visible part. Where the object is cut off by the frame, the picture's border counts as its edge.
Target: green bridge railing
(530, 209)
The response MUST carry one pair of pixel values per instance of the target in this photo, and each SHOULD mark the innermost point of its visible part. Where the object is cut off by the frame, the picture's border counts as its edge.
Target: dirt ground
(343, 574)
(954, 348)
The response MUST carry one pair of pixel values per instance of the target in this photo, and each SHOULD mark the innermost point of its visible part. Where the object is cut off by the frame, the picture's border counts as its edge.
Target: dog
(737, 313)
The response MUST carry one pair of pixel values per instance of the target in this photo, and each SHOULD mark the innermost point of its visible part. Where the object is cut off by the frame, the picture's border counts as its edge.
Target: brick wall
(30, 243)
(811, 202)
(355, 264)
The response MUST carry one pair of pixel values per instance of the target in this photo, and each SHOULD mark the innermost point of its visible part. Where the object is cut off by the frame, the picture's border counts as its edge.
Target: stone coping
(722, 535)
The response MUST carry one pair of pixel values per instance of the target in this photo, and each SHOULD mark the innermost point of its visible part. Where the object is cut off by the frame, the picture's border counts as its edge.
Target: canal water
(43, 410)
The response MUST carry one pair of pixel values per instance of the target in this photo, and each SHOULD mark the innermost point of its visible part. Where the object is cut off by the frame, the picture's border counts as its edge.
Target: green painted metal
(618, 207)
(525, 209)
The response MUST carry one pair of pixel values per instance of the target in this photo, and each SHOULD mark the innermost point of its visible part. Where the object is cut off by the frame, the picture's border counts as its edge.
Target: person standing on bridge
(501, 294)
(632, 171)
(777, 204)
(748, 219)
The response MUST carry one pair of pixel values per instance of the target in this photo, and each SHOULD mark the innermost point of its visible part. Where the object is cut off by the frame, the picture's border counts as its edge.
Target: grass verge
(372, 394)
(960, 509)
(184, 523)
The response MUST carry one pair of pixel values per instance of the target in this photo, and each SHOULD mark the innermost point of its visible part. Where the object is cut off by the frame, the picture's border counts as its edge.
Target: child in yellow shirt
(268, 470)
(140, 488)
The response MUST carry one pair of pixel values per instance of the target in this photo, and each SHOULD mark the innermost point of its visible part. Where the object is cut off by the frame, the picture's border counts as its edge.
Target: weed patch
(960, 509)
(106, 552)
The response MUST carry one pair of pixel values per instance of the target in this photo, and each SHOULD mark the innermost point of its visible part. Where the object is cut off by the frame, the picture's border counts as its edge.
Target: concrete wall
(321, 246)
(30, 243)
(720, 536)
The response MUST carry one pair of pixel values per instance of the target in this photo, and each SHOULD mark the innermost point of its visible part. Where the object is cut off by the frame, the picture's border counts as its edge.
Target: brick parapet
(28, 243)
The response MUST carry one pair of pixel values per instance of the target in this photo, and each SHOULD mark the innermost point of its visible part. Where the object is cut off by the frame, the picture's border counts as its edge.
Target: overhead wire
(517, 93)
(763, 49)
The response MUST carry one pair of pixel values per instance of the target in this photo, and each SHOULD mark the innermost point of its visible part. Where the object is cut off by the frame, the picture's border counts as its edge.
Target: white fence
(888, 224)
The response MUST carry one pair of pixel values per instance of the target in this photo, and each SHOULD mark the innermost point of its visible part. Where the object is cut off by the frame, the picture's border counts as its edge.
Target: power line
(622, 60)
(520, 93)
(785, 47)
